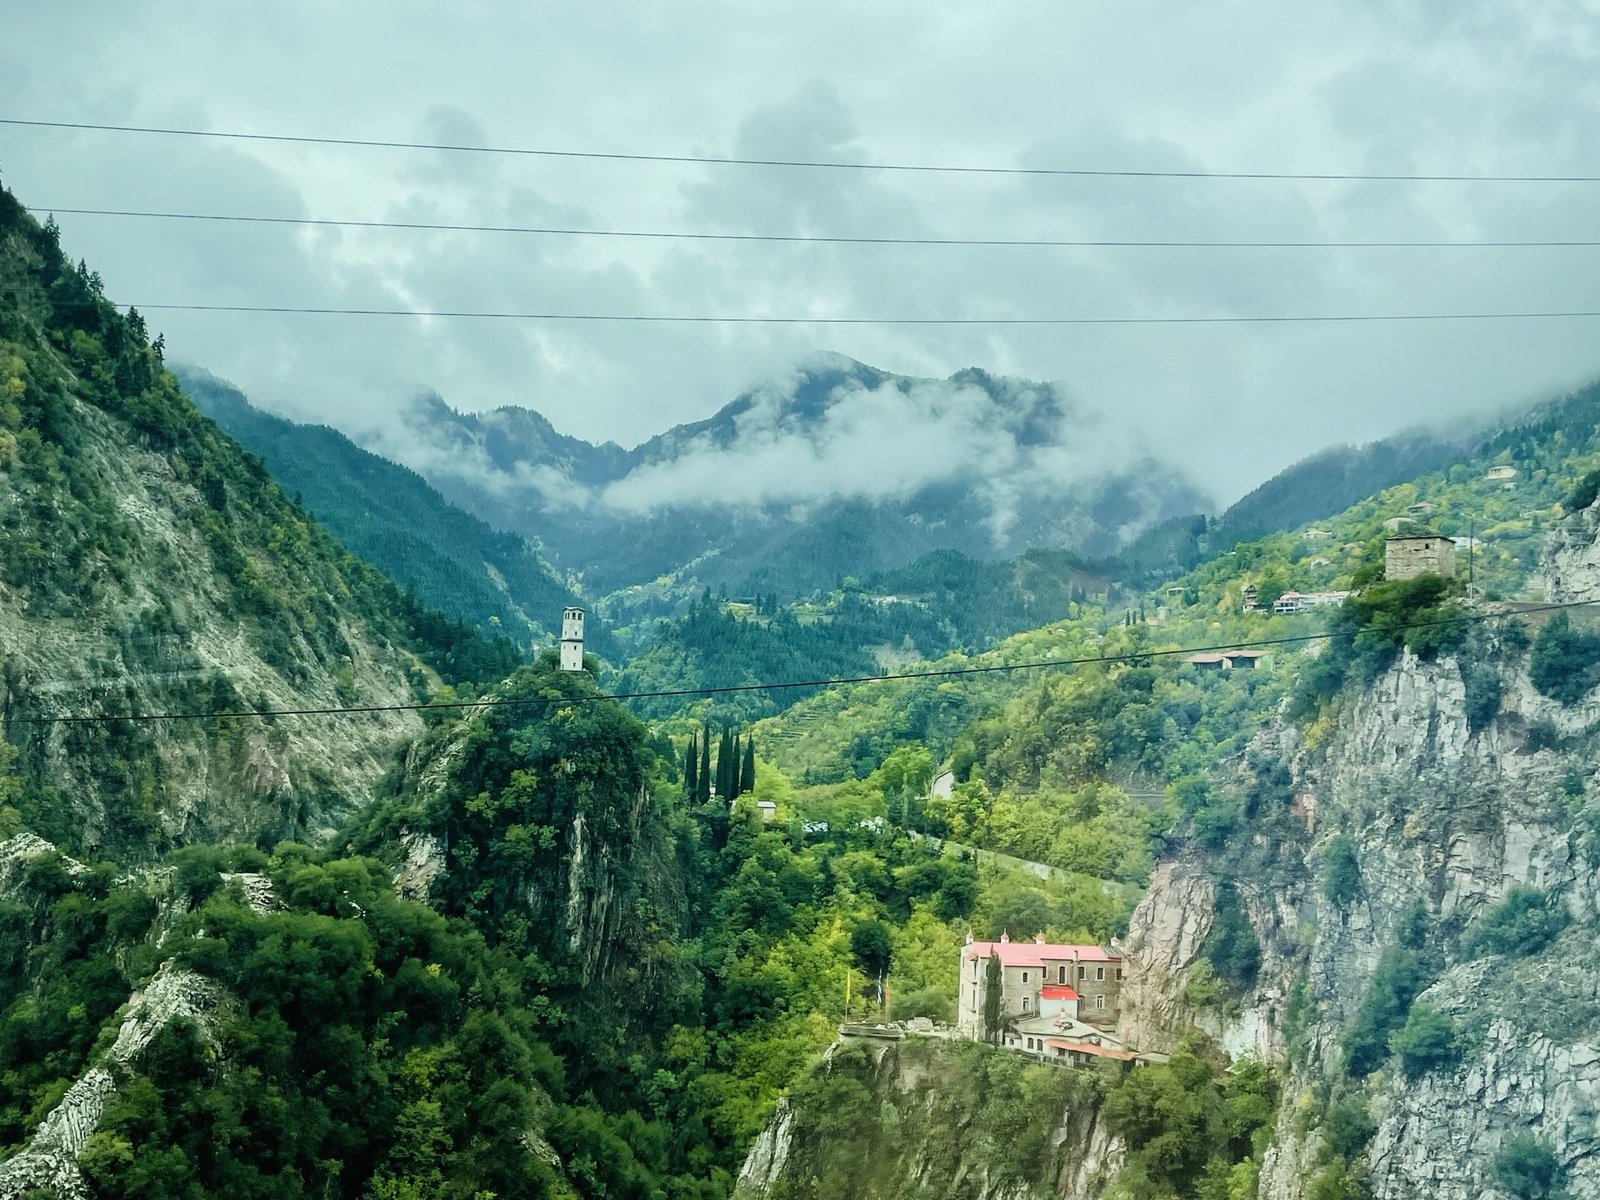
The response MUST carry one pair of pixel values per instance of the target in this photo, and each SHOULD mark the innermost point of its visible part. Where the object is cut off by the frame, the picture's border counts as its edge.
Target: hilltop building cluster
(1057, 1001)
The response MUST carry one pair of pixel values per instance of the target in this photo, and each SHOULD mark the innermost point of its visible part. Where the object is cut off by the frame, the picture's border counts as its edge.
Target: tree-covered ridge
(1504, 494)
(147, 564)
(391, 517)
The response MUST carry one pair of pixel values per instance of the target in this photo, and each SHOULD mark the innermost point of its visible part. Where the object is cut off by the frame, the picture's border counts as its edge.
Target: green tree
(704, 794)
(1341, 872)
(1527, 1168)
(1565, 663)
(691, 769)
(1427, 1041)
(872, 947)
(748, 775)
(1524, 923)
(1400, 978)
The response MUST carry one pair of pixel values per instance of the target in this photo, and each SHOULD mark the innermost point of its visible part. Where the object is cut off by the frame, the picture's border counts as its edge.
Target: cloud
(874, 443)
(1473, 86)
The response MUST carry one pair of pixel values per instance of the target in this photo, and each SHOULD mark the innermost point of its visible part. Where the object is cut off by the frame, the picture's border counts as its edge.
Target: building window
(1024, 1004)
(1100, 974)
(1119, 974)
(1083, 972)
(1061, 975)
(1030, 1043)
(1024, 977)
(1099, 1001)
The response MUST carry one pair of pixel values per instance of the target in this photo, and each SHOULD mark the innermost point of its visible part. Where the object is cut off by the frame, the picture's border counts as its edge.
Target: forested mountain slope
(149, 565)
(390, 516)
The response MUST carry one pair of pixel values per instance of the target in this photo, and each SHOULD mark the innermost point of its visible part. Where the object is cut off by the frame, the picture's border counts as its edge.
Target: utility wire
(675, 693)
(822, 239)
(670, 319)
(816, 164)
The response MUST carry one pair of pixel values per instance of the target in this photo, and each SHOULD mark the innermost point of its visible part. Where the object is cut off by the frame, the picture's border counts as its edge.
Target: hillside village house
(1299, 602)
(1040, 981)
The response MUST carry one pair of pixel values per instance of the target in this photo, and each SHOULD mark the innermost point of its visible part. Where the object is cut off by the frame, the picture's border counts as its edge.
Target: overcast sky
(1440, 86)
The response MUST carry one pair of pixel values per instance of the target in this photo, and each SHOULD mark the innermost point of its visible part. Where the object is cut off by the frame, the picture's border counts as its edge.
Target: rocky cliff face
(929, 1119)
(149, 566)
(1444, 818)
(166, 636)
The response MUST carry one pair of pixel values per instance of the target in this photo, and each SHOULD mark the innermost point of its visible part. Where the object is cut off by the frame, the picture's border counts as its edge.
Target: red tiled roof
(1087, 1048)
(1034, 954)
(1057, 991)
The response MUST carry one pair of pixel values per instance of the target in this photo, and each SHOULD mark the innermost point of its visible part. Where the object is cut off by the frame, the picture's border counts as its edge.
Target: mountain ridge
(391, 516)
(836, 469)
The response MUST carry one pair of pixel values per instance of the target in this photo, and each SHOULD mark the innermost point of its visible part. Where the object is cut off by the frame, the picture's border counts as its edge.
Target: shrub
(1483, 691)
(1347, 1128)
(1400, 978)
(1341, 873)
(927, 1002)
(1527, 1168)
(1231, 945)
(1524, 923)
(1583, 493)
(1565, 664)
(1427, 1041)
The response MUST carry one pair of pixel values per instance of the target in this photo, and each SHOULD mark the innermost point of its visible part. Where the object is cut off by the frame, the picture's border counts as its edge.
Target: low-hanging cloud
(831, 429)
(870, 442)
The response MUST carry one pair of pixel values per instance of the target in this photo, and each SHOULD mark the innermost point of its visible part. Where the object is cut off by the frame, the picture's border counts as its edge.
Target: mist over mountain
(836, 469)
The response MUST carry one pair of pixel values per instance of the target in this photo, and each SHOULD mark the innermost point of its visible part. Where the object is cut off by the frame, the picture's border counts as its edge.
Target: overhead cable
(690, 319)
(823, 239)
(812, 164)
(1133, 656)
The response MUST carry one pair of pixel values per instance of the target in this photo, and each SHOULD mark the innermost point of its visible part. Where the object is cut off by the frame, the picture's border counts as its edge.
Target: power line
(814, 164)
(671, 319)
(680, 693)
(823, 239)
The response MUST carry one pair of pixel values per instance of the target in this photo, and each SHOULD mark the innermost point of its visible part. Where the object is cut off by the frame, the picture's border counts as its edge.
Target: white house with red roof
(1039, 979)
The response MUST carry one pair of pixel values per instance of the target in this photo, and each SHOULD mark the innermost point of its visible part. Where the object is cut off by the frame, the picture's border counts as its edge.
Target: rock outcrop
(913, 1120)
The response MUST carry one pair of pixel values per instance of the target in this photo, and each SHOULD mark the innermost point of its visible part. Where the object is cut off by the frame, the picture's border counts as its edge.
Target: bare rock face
(257, 890)
(1444, 819)
(1164, 938)
(424, 862)
(921, 1134)
(1571, 563)
(163, 627)
(15, 854)
(763, 1168)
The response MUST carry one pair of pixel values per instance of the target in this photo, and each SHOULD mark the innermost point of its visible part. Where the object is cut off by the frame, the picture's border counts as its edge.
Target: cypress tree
(703, 792)
(740, 787)
(691, 769)
(749, 774)
(993, 991)
(725, 766)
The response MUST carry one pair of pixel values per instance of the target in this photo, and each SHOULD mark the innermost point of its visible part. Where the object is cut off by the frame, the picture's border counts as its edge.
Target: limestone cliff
(931, 1119)
(149, 566)
(1445, 812)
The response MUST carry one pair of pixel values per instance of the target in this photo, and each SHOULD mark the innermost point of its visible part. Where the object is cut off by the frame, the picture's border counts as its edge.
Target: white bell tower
(572, 639)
